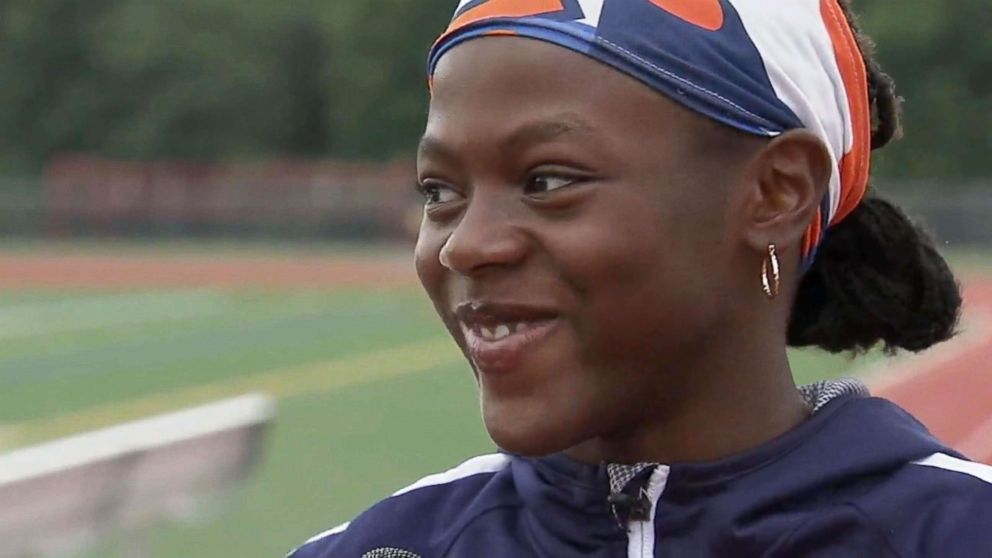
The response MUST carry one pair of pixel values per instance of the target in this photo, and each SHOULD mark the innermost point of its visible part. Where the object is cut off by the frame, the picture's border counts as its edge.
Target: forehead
(496, 83)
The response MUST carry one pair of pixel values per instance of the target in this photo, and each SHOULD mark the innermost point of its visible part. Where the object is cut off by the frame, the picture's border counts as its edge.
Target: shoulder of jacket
(406, 523)
(937, 506)
(951, 469)
(841, 529)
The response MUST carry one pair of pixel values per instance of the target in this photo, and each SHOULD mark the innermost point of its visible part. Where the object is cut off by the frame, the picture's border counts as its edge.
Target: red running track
(949, 387)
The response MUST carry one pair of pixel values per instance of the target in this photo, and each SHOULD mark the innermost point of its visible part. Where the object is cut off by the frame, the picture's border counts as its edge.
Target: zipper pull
(627, 508)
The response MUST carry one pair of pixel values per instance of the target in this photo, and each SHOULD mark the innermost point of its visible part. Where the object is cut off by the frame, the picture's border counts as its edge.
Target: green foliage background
(219, 79)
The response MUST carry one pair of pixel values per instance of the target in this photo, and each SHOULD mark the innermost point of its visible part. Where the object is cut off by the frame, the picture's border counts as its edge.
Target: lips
(499, 336)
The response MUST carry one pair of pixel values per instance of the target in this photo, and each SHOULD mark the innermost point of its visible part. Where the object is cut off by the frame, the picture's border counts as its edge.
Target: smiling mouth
(501, 348)
(499, 331)
(498, 336)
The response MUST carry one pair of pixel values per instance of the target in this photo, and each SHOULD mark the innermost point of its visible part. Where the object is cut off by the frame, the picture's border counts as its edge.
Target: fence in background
(22, 209)
(89, 196)
(83, 196)
(958, 213)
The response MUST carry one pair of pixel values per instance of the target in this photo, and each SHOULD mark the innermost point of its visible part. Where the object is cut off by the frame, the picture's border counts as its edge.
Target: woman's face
(575, 240)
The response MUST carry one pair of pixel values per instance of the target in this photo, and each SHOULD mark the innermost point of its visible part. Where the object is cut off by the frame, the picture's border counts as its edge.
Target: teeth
(495, 333)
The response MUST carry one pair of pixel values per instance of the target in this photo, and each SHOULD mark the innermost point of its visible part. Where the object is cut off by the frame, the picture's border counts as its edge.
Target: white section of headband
(591, 9)
(799, 57)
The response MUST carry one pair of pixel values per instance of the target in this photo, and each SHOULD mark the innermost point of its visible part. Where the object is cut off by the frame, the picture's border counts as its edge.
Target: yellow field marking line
(284, 383)
(6, 436)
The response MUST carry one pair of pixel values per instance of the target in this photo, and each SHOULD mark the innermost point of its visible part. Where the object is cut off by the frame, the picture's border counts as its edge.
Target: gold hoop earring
(770, 276)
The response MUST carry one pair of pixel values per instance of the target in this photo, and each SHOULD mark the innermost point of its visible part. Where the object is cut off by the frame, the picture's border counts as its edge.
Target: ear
(791, 176)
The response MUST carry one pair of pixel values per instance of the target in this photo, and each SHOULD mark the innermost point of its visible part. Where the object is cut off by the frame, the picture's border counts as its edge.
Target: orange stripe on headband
(706, 14)
(856, 163)
(497, 8)
(505, 8)
(812, 237)
(502, 33)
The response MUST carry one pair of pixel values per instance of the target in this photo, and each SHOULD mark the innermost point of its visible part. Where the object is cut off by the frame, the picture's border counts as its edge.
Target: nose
(486, 237)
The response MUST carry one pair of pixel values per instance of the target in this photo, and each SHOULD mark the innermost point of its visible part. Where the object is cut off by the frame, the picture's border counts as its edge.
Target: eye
(436, 193)
(544, 183)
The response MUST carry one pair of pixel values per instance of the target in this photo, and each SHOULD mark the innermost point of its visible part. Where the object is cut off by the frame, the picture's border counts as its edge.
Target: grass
(336, 448)
(160, 341)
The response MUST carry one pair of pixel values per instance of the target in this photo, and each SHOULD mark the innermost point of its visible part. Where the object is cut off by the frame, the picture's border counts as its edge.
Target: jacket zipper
(640, 532)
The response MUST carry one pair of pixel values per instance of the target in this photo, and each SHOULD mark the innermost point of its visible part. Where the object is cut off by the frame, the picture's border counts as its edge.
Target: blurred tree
(128, 78)
(380, 82)
(940, 54)
(306, 59)
(46, 72)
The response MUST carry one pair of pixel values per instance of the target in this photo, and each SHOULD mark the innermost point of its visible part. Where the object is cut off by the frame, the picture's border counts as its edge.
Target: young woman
(632, 208)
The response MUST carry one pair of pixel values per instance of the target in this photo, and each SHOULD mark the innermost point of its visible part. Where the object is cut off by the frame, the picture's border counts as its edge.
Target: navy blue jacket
(860, 478)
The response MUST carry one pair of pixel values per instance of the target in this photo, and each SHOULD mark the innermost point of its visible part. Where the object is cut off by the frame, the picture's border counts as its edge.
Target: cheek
(648, 280)
(433, 276)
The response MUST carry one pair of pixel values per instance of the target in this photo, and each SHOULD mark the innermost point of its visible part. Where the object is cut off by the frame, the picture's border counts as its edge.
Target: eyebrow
(544, 131)
(531, 133)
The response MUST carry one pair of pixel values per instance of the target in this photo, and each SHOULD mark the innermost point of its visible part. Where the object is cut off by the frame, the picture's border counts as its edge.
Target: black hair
(877, 276)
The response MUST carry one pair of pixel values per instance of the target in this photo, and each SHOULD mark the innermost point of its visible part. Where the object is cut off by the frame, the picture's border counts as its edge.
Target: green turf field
(371, 394)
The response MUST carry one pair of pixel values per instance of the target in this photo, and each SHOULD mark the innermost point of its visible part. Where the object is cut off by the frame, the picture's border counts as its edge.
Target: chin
(522, 433)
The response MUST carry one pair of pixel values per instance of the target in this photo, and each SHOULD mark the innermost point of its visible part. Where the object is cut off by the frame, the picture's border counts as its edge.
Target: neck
(738, 394)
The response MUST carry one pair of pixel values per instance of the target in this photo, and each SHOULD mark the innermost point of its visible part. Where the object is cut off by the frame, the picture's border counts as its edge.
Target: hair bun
(877, 278)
